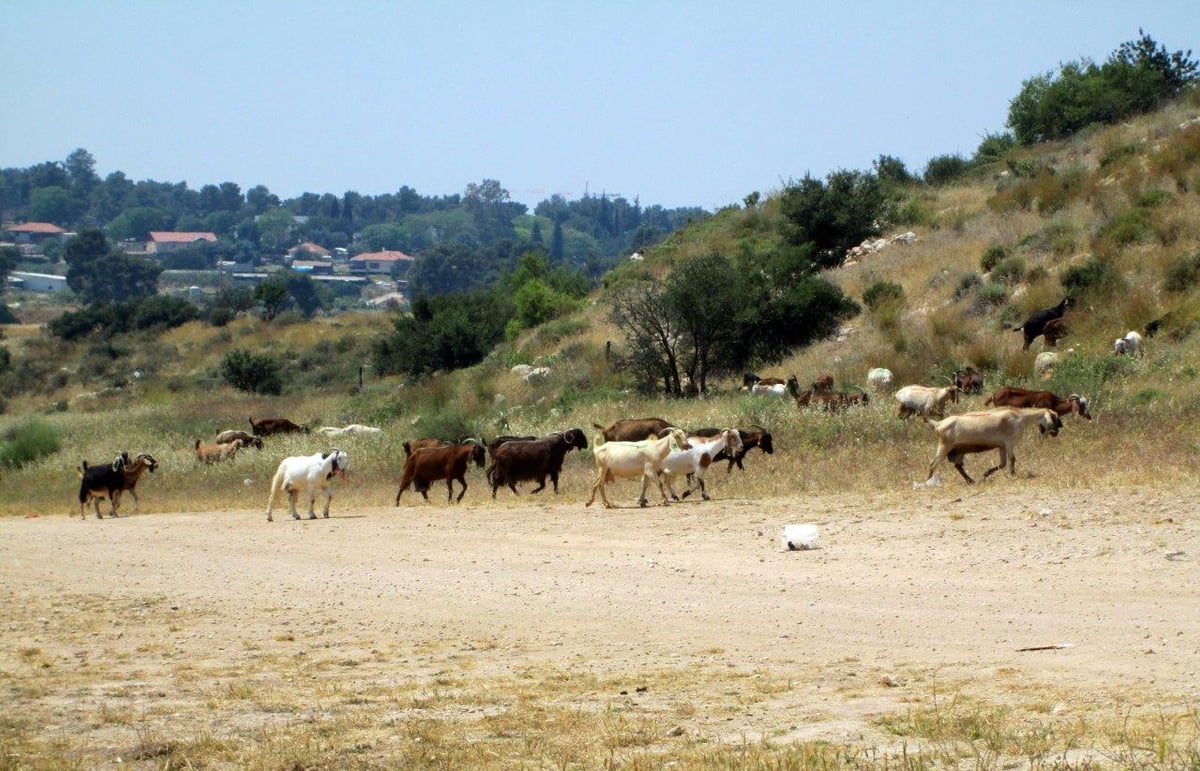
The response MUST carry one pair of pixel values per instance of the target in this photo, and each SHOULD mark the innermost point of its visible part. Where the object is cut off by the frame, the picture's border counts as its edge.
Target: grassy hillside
(1117, 208)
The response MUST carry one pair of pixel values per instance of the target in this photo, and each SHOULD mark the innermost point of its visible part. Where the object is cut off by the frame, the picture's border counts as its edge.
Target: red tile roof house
(34, 232)
(162, 241)
(378, 262)
(314, 250)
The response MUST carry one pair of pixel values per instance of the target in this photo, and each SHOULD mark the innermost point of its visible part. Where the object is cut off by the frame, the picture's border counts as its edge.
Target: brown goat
(448, 462)
(632, 429)
(1011, 396)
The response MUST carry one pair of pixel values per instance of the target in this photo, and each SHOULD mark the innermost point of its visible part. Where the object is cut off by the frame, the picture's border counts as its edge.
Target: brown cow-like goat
(448, 462)
(1011, 396)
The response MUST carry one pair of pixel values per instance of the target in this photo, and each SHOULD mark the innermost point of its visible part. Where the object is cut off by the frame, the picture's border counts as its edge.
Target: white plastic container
(803, 536)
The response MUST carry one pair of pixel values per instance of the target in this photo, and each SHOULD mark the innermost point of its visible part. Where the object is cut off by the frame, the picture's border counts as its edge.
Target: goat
(225, 437)
(880, 378)
(522, 460)
(1055, 330)
(628, 459)
(313, 473)
(268, 426)
(925, 400)
(354, 429)
(448, 462)
(132, 472)
(695, 460)
(1011, 396)
(968, 379)
(972, 432)
(755, 436)
(1036, 323)
(1044, 362)
(632, 429)
(824, 382)
(832, 401)
(1129, 345)
(215, 453)
(104, 481)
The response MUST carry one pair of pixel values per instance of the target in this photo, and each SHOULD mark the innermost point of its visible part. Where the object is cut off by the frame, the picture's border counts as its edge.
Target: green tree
(99, 275)
(834, 215)
(49, 204)
(1137, 77)
(9, 257)
(273, 294)
(708, 297)
(442, 333)
(252, 372)
(137, 222)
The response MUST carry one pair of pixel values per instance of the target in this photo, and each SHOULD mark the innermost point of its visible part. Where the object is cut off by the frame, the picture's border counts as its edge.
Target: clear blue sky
(679, 104)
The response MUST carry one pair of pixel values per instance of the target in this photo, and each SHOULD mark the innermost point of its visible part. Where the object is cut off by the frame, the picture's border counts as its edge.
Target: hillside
(1035, 620)
(1119, 200)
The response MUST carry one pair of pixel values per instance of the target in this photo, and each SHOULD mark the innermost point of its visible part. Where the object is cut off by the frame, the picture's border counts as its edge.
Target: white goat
(696, 459)
(925, 400)
(971, 432)
(1129, 345)
(626, 460)
(354, 429)
(308, 472)
(880, 378)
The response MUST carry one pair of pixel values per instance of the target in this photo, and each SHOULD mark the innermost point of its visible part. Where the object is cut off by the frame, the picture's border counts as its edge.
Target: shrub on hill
(28, 441)
(252, 372)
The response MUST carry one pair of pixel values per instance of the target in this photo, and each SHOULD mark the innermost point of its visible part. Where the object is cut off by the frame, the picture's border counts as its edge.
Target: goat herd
(651, 448)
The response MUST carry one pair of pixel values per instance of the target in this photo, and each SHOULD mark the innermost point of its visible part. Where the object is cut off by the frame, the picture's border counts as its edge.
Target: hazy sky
(678, 104)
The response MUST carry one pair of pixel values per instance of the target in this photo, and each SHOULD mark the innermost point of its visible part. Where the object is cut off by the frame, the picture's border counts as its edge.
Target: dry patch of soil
(120, 636)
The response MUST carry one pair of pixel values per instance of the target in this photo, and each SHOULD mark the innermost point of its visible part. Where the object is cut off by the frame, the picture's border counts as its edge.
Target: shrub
(944, 169)
(993, 255)
(883, 293)
(1129, 227)
(251, 372)
(27, 442)
(990, 295)
(1153, 197)
(1009, 270)
(1096, 278)
(1184, 273)
(967, 283)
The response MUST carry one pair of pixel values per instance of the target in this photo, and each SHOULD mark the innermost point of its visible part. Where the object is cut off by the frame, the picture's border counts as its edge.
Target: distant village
(377, 271)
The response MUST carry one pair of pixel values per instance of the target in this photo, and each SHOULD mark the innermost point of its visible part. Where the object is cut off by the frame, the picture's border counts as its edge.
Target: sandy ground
(908, 592)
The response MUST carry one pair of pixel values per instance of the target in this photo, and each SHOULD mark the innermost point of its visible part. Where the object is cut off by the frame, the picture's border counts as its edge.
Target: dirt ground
(907, 594)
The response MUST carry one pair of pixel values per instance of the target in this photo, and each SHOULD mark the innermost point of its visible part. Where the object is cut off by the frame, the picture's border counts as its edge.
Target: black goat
(1036, 323)
(104, 481)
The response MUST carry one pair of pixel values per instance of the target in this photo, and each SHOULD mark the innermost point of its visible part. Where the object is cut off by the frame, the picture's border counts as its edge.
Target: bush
(967, 283)
(27, 442)
(883, 293)
(1184, 273)
(252, 372)
(1096, 278)
(993, 255)
(944, 169)
(1009, 271)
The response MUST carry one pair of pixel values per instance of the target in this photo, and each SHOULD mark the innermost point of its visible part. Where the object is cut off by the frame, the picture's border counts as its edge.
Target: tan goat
(215, 453)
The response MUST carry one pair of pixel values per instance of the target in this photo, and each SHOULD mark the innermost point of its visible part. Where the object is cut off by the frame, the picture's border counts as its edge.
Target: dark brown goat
(448, 462)
(527, 460)
(968, 380)
(632, 429)
(268, 426)
(1011, 396)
